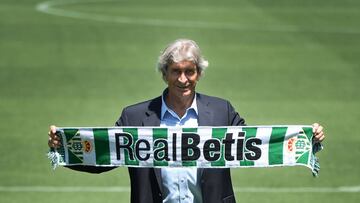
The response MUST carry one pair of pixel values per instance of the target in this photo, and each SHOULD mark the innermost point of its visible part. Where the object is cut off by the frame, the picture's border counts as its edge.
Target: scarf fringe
(54, 157)
(315, 165)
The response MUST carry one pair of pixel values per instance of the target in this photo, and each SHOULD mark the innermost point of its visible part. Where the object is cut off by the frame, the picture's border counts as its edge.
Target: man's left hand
(318, 132)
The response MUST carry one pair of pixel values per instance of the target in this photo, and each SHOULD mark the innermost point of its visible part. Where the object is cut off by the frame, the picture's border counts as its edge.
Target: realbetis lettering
(202, 147)
(190, 150)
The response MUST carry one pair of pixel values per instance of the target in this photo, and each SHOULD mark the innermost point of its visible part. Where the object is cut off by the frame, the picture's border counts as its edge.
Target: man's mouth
(183, 87)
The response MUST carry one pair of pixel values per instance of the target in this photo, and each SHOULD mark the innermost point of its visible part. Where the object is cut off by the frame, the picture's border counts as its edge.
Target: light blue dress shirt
(180, 184)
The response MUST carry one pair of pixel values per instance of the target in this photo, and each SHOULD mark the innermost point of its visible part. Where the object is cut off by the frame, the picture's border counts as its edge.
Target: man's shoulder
(150, 104)
(133, 115)
(211, 99)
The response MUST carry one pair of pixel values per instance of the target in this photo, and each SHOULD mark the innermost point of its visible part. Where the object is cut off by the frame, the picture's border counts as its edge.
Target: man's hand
(54, 140)
(318, 132)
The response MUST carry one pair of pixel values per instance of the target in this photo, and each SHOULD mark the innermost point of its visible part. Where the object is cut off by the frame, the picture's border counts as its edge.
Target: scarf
(202, 147)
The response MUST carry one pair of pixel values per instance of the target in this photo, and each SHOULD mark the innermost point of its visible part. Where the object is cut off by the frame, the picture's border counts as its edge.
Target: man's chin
(183, 92)
(187, 93)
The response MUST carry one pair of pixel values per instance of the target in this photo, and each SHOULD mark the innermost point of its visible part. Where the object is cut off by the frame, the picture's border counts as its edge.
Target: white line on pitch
(62, 189)
(341, 189)
(49, 7)
(298, 189)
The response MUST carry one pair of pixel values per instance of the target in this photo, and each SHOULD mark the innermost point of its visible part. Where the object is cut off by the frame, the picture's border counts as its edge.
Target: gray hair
(182, 50)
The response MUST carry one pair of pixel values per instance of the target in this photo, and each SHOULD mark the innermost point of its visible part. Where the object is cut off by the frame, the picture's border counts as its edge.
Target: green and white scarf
(202, 147)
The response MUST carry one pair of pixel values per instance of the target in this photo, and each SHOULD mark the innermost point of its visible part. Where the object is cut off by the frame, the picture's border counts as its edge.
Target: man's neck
(179, 105)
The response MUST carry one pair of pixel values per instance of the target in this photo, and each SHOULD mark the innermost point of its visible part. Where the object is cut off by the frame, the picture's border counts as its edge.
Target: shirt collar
(165, 108)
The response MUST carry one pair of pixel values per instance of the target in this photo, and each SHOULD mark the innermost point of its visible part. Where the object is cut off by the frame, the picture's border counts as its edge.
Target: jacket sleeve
(234, 117)
(90, 169)
(122, 121)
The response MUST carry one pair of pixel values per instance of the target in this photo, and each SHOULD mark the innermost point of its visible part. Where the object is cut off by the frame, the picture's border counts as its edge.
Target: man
(181, 65)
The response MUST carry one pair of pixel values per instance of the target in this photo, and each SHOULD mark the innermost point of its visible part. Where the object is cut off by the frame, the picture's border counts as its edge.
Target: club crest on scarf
(74, 146)
(300, 145)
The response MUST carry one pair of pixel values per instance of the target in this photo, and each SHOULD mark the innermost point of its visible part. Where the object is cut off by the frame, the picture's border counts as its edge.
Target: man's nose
(182, 78)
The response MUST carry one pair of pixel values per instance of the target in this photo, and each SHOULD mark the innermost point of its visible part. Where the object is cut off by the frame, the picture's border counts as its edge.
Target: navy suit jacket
(146, 183)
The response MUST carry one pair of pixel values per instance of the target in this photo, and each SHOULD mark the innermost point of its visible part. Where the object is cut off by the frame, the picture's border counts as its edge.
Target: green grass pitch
(278, 62)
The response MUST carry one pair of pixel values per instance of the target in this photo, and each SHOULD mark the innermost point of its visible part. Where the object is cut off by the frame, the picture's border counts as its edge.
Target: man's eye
(190, 72)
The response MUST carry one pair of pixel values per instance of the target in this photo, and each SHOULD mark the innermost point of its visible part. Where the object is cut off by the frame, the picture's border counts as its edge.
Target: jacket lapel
(152, 118)
(205, 114)
(153, 114)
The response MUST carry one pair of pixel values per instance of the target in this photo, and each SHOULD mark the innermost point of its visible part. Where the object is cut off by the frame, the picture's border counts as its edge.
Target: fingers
(52, 133)
(318, 132)
(54, 140)
(53, 129)
(54, 143)
(319, 138)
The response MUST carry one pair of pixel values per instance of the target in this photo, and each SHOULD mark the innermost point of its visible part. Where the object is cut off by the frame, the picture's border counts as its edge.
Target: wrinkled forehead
(185, 64)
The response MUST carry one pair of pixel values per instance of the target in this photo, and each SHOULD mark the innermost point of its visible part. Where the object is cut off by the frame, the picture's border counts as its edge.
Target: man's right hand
(54, 140)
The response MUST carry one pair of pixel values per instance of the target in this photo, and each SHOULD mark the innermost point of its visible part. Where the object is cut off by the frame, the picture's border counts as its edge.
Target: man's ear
(163, 73)
(164, 77)
(199, 74)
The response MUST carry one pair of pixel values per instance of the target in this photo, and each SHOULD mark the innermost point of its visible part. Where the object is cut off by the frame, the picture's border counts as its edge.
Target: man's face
(181, 78)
